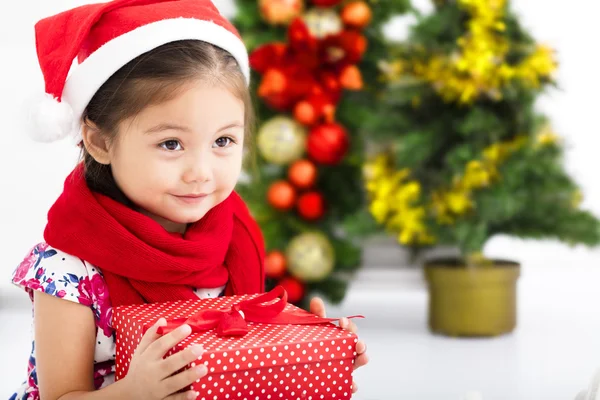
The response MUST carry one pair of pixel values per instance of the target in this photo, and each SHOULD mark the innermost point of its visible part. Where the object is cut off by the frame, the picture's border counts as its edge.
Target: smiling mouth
(191, 198)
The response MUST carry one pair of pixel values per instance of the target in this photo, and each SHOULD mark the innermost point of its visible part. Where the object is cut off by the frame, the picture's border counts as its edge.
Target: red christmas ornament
(314, 109)
(275, 264)
(303, 44)
(346, 48)
(280, 12)
(286, 69)
(351, 78)
(326, 3)
(357, 14)
(294, 288)
(265, 56)
(281, 195)
(281, 88)
(329, 81)
(273, 87)
(311, 206)
(328, 143)
(305, 113)
(302, 174)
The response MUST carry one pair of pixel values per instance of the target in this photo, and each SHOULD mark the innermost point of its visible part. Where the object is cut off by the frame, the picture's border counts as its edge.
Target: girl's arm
(114, 391)
(65, 336)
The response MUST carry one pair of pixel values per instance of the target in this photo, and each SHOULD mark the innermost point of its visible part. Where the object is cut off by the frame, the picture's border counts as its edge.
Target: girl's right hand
(152, 377)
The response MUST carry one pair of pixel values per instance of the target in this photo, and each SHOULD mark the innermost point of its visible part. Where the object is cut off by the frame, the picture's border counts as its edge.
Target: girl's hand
(152, 377)
(318, 307)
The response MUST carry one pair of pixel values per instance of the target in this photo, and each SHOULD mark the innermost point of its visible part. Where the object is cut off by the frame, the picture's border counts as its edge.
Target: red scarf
(142, 262)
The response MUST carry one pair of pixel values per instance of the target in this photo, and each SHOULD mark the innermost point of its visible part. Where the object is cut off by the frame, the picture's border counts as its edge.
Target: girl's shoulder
(54, 272)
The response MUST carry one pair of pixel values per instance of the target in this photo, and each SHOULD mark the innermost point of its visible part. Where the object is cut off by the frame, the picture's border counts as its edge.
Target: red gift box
(255, 348)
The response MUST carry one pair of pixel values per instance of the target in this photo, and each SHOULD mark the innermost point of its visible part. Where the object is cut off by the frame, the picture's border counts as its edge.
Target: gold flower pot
(472, 301)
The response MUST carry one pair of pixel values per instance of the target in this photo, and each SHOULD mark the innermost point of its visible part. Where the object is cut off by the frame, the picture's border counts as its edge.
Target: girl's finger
(317, 307)
(189, 395)
(361, 347)
(345, 323)
(151, 335)
(185, 378)
(361, 361)
(179, 360)
(161, 346)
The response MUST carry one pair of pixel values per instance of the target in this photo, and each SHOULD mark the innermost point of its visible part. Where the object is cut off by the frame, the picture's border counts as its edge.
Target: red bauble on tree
(311, 206)
(275, 264)
(351, 78)
(314, 109)
(280, 11)
(357, 14)
(294, 288)
(305, 113)
(326, 3)
(303, 174)
(281, 195)
(328, 143)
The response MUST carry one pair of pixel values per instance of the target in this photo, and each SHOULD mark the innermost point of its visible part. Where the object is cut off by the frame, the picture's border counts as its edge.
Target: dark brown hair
(152, 78)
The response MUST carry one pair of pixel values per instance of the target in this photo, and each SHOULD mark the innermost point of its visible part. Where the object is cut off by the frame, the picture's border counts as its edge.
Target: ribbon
(268, 308)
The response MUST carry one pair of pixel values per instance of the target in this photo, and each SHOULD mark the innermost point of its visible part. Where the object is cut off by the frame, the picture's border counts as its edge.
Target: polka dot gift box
(258, 347)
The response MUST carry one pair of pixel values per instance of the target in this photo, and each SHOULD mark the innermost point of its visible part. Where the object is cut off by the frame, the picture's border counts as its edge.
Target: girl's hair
(152, 78)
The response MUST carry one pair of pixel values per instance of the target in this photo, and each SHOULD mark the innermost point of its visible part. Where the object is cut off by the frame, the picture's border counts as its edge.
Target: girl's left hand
(318, 307)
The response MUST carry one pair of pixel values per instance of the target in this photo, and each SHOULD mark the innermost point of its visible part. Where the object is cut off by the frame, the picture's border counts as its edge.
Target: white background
(551, 356)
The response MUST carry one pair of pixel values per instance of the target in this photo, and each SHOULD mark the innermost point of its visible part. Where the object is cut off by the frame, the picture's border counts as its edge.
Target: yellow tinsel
(546, 136)
(455, 201)
(479, 67)
(395, 201)
(576, 199)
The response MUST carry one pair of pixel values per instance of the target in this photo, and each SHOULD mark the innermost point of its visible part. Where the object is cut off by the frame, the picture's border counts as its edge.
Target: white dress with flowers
(56, 273)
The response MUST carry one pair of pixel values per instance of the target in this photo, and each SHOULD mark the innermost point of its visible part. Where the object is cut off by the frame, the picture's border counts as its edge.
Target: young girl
(159, 104)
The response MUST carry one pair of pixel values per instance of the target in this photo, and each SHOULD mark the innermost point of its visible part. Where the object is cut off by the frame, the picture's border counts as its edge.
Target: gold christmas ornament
(310, 257)
(322, 22)
(282, 140)
(280, 12)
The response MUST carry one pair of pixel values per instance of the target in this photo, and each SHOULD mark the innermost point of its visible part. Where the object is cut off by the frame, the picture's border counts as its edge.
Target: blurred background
(431, 165)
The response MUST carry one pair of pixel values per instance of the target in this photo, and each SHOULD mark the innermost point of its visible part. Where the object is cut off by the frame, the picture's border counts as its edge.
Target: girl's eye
(223, 142)
(171, 145)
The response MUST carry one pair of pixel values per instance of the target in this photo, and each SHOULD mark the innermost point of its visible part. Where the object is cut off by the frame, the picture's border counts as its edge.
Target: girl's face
(179, 159)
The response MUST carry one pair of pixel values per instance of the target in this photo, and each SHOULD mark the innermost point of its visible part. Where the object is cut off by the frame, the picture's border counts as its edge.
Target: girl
(159, 104)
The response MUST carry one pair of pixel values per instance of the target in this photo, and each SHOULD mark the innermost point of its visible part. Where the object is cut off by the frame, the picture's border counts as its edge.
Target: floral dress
(56, 273)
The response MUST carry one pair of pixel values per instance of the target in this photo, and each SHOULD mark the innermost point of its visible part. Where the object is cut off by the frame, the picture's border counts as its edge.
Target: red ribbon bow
(261, 309)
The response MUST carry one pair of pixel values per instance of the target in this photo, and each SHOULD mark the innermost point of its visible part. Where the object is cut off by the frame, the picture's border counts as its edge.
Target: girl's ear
(95, 143)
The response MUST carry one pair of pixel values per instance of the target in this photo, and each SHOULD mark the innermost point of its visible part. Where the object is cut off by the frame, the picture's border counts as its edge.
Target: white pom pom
(48, 120)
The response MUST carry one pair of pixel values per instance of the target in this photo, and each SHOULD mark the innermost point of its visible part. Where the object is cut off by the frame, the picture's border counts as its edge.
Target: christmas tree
(464, 155)
(314, 75)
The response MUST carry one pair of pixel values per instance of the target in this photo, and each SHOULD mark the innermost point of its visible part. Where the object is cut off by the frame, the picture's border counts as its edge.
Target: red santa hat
(104, 37)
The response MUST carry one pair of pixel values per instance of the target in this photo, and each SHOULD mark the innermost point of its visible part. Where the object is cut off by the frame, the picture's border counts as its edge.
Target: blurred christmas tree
(315, 74)
(464, 155)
